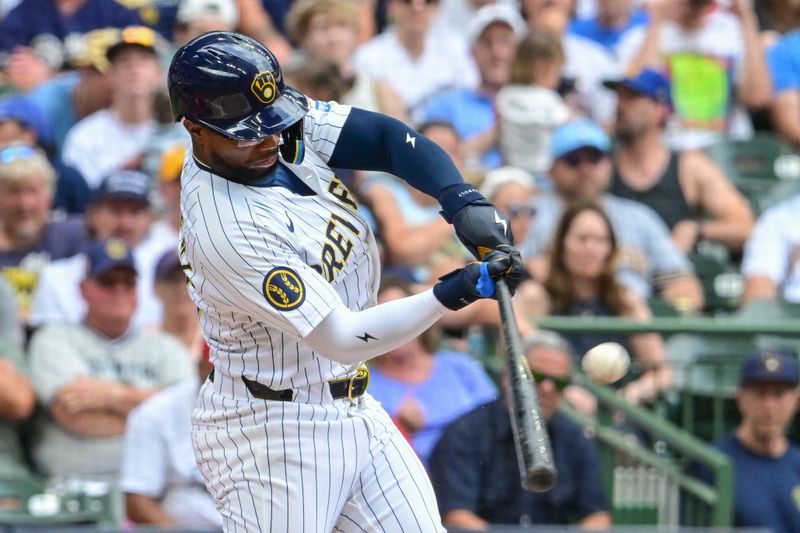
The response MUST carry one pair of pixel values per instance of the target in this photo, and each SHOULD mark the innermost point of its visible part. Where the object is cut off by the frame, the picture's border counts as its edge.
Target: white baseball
(607, 362)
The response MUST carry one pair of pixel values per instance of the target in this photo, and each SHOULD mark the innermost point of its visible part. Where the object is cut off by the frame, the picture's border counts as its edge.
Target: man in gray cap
(766, 464)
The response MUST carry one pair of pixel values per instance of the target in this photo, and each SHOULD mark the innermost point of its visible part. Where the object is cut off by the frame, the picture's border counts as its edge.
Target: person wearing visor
(284, 272)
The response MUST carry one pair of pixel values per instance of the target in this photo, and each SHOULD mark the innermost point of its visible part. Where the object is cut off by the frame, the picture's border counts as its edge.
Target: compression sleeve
(350, 337)
(372, 141)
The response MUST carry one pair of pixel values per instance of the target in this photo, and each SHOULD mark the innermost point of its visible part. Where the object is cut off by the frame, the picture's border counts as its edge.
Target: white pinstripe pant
(303, 467)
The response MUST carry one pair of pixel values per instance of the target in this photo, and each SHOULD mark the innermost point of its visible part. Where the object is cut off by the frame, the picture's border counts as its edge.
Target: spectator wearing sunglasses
(582, 282)
(29, 238)
(686, 189)
(474, 466)
(90, 375)
(649, 261)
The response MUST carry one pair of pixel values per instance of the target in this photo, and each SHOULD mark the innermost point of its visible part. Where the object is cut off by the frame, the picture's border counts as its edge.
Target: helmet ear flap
(293, 149)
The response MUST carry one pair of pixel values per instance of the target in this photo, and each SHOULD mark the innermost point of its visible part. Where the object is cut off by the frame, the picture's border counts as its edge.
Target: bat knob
(540, 478)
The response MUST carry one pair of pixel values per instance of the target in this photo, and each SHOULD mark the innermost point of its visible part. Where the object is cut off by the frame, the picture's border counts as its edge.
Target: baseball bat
(534, 453)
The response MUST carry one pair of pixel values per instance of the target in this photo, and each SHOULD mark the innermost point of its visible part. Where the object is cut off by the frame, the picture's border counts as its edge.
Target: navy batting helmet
(233, 85)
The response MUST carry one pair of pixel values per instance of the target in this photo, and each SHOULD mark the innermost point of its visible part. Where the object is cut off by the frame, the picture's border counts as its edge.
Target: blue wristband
(485, 285)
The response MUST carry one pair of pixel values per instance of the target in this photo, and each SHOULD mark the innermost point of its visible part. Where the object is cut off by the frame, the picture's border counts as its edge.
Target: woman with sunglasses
(581, 282)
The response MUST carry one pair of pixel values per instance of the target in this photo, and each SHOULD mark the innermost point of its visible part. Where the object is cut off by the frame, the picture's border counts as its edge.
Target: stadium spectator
(415, 61)
(114, 138)
(771, 263)
(715, 62)
(23, 122)
(649, 262)
(766, 465)
(264, 20)
(581, 282)
(511, 190)
(612, 20)
(529, 108)
(29, 238)
(686, 189)
(74, 95)
(409, 382)
(180, 314)
(493, 33)
(159, 475)
(90, 375)
(474, 467)
(37, 35)
(17, 404)
(121, 209)
(329, 29)
(11, 330)
(784, 65)
(196, 17)
(586, 64)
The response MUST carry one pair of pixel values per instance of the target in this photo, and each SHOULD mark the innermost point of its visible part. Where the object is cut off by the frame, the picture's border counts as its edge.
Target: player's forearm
(353, 336)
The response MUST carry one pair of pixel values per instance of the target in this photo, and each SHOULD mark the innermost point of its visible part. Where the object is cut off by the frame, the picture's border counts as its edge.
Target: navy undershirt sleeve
(372, 141)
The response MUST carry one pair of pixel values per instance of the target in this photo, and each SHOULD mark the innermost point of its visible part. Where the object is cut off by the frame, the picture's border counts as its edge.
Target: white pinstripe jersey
(267, 264)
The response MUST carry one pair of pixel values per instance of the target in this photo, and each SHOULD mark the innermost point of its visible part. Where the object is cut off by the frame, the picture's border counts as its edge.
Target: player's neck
(766, 445)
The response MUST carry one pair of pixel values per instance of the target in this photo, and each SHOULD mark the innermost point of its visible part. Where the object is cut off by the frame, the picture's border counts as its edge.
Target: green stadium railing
(651, 483)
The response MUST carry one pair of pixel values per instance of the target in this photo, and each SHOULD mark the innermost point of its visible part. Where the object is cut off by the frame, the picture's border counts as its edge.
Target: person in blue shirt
(766, 465)
(424, 389)
(474, 467)
(493, 33)
(613, 19)
(37, 35)
(784, 66)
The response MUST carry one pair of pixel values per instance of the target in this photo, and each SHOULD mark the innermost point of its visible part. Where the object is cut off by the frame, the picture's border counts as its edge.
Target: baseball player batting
(284, 273)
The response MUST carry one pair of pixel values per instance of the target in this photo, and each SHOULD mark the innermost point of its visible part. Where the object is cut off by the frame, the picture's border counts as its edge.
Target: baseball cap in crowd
(28, 114)
(107, 255)
(140, 37)
(770, 366)
(498, 177)
(579, 133)
(648, 82)
(491, 13)
(125, 184)
(169, 267)
(225, 10)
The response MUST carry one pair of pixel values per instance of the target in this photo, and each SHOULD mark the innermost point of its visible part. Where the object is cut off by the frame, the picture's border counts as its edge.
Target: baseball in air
(606, 363)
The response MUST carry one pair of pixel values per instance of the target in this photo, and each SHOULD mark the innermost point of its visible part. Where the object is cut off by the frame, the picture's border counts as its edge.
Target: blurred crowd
(589, 123)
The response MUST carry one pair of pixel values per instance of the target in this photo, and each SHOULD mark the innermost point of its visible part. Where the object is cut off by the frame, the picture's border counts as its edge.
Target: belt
(350, 387)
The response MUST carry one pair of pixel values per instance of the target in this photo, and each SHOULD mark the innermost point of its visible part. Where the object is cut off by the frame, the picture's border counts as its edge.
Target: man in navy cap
(766, 465)
(687, 189)
(90, 375)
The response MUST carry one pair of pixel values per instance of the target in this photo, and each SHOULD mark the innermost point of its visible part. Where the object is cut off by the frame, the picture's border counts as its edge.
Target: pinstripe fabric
(312, 464)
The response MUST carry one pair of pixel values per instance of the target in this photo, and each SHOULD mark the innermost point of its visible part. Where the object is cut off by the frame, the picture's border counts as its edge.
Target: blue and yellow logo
(264, 87)
(283, 289)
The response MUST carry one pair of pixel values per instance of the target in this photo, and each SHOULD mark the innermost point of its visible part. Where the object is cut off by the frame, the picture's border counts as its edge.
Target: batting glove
(463, 286)
(478, 223)
(516, 270)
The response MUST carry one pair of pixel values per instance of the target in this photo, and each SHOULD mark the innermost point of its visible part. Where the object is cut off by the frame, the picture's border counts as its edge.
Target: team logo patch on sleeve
(283, 289)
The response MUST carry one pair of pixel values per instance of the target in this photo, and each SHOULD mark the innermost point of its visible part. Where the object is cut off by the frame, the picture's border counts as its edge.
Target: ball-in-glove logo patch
(264, 87)
(283, 289)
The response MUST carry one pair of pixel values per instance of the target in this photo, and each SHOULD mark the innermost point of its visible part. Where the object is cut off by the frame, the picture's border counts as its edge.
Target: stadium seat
(765, 169)
(721, 281)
